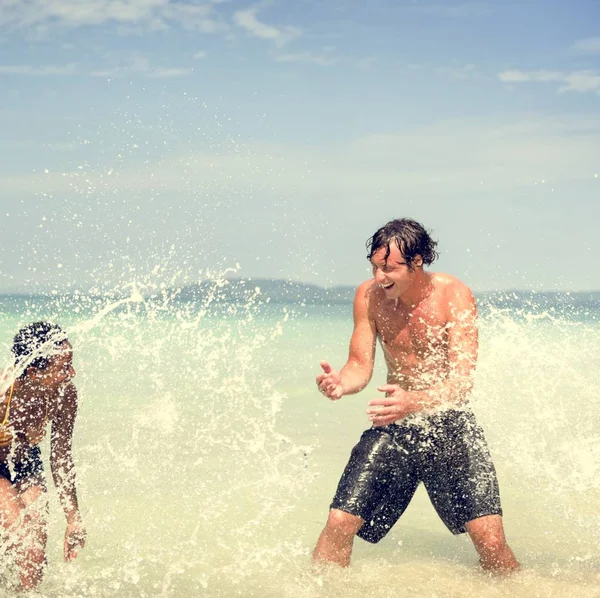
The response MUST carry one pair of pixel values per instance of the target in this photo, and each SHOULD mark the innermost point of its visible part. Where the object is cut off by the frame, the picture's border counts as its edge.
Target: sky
(161, 142)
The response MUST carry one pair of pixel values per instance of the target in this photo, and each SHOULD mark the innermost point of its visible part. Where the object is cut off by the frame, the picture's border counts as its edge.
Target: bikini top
(7, 435)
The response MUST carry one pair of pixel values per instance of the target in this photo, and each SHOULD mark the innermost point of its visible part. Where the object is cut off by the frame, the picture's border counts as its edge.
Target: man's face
(393, 275)
(60, 367)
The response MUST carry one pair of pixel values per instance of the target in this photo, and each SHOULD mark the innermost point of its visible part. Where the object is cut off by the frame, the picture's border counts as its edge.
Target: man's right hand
(330, 382)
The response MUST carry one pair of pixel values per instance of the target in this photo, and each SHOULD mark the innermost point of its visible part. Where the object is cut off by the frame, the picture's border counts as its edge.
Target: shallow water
(207, 460)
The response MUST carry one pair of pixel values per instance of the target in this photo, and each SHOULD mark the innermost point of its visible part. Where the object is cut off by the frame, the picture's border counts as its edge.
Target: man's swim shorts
(446, 451)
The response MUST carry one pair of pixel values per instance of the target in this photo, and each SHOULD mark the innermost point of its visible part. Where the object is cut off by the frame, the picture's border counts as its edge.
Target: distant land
(238, 290)
(280, 291)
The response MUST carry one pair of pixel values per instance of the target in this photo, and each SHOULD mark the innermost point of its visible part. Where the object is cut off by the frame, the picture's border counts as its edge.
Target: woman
(42, 391)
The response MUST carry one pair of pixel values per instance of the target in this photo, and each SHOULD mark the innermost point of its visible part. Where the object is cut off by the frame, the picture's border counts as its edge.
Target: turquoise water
(207, 460)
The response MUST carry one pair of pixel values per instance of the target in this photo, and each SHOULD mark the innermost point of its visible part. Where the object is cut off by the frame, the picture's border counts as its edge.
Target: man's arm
(63, 469)
(357, 371)
(462, 359)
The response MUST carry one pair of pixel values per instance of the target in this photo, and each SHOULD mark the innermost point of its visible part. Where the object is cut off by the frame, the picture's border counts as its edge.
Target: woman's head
(41, 349)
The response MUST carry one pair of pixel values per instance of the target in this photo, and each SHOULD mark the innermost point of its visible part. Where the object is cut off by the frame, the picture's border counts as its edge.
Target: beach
(206, 458)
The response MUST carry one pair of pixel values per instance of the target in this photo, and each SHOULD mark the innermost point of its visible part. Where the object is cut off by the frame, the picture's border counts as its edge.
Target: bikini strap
(7, 412)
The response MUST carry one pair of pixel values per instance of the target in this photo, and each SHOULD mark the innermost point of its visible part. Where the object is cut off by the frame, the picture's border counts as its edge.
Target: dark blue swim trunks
(27, 471)
(446, 451)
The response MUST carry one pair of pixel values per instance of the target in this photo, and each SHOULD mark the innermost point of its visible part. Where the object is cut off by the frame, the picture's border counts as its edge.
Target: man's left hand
(398, 403)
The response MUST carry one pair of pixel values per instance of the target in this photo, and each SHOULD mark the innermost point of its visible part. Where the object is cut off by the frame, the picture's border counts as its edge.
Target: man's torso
(414, 338)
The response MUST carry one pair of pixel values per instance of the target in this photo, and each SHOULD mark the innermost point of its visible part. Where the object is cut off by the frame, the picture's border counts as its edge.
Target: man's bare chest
(421, 331)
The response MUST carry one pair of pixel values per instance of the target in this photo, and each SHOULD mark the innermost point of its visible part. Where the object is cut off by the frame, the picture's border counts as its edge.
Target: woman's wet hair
(411, 238)
(35, 343)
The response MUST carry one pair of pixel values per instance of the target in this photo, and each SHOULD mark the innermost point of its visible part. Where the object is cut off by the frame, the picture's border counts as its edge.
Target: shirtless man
(423, 430)
(40, 390)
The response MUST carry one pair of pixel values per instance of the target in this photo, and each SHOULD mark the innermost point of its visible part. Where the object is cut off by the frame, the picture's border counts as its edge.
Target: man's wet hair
(411, 238)
(35, 343)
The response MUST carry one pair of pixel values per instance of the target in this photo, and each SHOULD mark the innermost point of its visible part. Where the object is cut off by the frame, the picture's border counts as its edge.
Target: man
(422, 430)
(41, 391)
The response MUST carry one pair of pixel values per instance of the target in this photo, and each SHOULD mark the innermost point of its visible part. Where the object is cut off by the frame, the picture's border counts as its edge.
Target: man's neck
(418, 290)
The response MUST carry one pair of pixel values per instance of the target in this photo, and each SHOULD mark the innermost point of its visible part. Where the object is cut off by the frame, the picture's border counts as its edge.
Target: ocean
(206, 458)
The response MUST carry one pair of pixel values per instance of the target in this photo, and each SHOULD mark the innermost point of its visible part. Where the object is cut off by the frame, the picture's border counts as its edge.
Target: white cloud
(589, 45)
(320, 59)
(326, 56)
(454, 71)
(448, 10)
(140, 65)
(366, 62)
(75, 13)
(435, 160)
(58, 146)
(580, 81)
(457, 72)
(195, 17)
(199, 55)
(247, 20)
(150, 14)
(162, 72)
(38, 71)
(524, 77)
(133, 65)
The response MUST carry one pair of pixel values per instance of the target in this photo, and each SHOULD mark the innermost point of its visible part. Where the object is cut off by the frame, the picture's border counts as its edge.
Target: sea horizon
(270, 284)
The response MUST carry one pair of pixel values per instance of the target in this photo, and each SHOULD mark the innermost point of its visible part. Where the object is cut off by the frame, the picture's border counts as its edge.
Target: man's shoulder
(366, 286)
(454, 296)
(367, 290)
(366, 295)
(449, 283)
